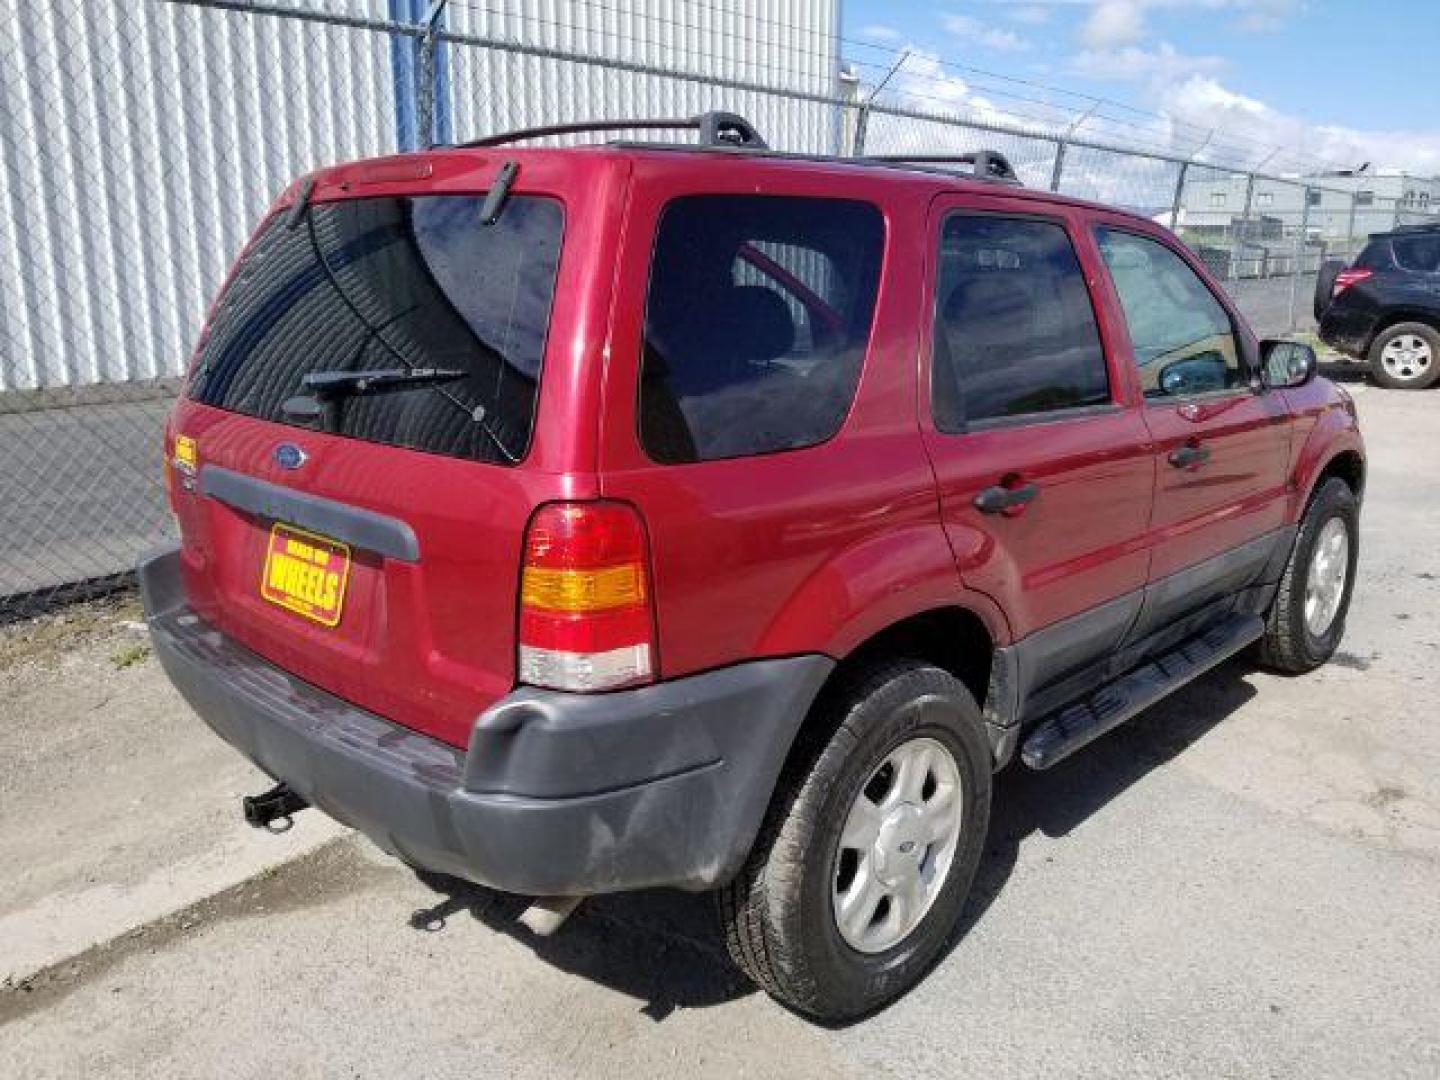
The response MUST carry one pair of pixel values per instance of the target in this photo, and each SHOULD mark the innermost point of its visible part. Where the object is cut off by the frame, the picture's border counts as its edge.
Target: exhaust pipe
(279, 804)
(548, 913)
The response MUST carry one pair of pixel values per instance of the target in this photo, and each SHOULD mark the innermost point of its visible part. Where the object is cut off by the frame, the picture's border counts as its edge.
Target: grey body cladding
(1067, 660)
(366, 529)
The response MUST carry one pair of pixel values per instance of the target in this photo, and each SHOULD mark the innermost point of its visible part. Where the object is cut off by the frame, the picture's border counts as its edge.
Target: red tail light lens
(1346, 278)
(586, 615)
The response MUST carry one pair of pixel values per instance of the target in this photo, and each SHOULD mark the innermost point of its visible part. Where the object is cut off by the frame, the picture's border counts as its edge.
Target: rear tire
(1406, 356)
(1325, 285)
(780, 915)
(1305, 623)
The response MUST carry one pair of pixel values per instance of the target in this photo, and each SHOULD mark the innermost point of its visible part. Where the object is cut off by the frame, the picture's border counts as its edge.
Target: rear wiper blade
(341, 384)
(328, 388)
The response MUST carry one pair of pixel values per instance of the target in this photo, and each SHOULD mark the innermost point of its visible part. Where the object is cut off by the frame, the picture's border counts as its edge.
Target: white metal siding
(140, 141)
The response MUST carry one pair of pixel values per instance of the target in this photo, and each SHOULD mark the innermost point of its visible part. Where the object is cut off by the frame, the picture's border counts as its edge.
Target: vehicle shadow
(1054, 802)
(1355, 372)
(663, 947)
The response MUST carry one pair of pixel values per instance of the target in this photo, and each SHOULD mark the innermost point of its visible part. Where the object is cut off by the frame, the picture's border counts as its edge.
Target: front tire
(1406, 356)
(1307, 617)
(893, 782)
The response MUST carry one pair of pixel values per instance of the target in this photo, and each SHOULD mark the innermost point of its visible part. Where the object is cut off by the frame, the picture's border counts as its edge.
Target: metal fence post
(1060, 145)
(862, 123)
(1301, 241)
(1063, 143)
(1179, 197)
(425, 76)
(1238, 243)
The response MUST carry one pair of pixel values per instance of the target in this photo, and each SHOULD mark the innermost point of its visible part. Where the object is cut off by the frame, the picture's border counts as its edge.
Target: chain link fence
(140, 140)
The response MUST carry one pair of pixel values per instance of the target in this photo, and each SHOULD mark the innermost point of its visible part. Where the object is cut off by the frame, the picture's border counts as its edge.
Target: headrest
(753, 323)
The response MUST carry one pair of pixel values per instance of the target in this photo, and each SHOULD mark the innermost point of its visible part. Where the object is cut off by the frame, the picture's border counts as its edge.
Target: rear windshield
(401, 285)
(756, 324)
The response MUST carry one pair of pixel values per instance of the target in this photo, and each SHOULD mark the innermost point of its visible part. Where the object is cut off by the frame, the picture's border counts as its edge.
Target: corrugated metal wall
(790, 45)
(140, 140)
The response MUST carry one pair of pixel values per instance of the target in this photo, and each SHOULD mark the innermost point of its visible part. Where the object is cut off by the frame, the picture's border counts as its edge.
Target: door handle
(999, 498)
(1189, 456)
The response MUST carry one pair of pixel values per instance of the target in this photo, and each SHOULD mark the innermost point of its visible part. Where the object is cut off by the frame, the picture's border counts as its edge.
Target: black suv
(1385, 307)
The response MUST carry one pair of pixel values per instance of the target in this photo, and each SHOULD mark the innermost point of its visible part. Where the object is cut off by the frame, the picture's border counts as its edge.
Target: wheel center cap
(900, 845)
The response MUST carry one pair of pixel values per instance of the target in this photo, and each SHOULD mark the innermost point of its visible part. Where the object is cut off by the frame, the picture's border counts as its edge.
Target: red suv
(590, 519)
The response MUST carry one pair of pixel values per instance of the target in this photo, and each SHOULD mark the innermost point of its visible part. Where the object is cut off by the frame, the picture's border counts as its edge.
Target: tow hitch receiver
(275, 810)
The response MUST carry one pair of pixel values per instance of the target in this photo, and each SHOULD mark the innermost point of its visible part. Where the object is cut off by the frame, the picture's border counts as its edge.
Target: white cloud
(976, 32)
(1113, 24)
(880, 32)
(1112, 16)
(1159, 65)
(1204, 102)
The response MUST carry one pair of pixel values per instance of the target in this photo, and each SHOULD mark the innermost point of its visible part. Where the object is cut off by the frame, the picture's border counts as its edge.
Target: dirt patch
(49, 636)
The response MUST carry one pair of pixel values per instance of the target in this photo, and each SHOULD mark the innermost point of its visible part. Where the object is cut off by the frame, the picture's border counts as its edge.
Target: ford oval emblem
(290, 456)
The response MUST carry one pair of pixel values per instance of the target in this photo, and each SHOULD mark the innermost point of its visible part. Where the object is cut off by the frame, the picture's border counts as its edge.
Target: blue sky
(1344, 81)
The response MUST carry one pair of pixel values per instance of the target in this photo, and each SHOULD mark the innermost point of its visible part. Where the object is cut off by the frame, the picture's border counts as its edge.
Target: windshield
(386, 284)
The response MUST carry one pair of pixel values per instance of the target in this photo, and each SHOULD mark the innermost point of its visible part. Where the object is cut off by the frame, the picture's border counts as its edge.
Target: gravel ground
(1242, 882)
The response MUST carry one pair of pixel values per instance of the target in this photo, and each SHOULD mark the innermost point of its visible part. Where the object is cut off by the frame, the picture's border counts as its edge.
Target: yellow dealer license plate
(306, 573)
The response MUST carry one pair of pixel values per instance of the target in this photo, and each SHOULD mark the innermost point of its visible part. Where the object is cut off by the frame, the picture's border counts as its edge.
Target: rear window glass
(756, 323)
(1418, 253)
(400, 285)
(1373, 257)
(1015, 332)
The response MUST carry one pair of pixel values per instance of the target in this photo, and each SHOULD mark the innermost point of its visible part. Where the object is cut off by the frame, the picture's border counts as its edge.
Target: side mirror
(1287, 364)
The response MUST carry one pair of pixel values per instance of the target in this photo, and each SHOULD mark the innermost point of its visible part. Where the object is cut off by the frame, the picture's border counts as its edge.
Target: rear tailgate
(374, 548)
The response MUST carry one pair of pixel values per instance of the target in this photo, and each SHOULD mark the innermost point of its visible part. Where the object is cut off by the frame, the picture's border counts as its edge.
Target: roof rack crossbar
(986, 164)
(715, 128)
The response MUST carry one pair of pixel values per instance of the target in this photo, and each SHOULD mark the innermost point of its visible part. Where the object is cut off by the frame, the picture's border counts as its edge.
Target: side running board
(1078, 725)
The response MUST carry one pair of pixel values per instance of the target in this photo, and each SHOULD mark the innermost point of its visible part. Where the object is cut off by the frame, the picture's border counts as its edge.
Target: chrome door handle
(998, 499)
(1188, 456)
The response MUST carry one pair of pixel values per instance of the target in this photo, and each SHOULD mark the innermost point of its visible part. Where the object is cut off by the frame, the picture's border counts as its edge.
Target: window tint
(756, 323)
(1420, 253)
(394, 284)
(1184, 340)
(1014, 328)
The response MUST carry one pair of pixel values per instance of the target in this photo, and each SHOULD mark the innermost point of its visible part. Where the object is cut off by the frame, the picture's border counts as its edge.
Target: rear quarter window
(1420, 254)
(756, 323)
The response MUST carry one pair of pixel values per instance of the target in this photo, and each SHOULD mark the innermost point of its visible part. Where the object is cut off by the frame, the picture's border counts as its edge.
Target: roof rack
(988, 165)
(717, 129)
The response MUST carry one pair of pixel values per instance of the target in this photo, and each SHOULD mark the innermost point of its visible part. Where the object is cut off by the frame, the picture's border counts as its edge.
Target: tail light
(1346, 278)
(586, 614)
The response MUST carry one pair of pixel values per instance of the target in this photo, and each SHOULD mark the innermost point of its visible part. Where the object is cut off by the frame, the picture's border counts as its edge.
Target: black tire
(1288, 645)
(777, 915)
(1325, 285)
(1424, 376)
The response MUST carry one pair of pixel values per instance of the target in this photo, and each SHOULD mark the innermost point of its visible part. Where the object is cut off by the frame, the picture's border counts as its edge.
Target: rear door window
(401, 285)
(1015, 331)
(756, 323)
(1184, 340)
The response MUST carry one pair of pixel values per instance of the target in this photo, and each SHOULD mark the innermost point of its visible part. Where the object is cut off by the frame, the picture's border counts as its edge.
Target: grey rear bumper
(559, 794)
